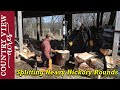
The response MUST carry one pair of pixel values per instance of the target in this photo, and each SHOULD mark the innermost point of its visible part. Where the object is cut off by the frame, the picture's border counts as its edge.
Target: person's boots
(50, 64)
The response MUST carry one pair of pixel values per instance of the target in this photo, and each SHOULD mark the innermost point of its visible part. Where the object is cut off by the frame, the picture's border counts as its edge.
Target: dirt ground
(23, 65)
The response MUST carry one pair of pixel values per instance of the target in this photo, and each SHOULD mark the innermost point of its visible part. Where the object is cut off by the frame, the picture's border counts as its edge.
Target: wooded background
(54, 23)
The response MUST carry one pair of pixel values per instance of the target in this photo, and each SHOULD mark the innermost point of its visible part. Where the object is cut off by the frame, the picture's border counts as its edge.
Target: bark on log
(84, 66)
(82, 57)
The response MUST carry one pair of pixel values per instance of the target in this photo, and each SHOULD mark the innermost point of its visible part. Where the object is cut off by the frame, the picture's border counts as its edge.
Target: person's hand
(70, 43)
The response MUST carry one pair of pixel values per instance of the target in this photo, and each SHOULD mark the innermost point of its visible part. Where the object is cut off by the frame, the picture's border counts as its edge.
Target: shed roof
(28, 14)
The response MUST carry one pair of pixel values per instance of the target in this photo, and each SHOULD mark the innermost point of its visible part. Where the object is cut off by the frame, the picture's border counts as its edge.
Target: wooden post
(60, 33)
(20, 30)
(41, 33)
(101, 18)
(112, 17)
(38, 29)
(98, 18)
(22, 27)
(49, 30)
(116, 37)
(68, 18)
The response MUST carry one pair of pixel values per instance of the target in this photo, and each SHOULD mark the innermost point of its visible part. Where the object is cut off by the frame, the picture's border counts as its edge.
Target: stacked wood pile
(36, 44)
(33, 45)
(91, 61)
(29, 51)
(26, 53)
(87, 61)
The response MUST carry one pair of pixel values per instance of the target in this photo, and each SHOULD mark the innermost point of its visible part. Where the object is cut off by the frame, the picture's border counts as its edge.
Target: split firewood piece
(26, 50)
(27, 55)
(93, 53)
(106, 52)
(109, 61)
(77, 59)
(81, 57)
(85, 56)
(76, 63)
(16, 53)
(39, 58)
(84, 66)
(96, 63)
(16, 48)
(31, 54)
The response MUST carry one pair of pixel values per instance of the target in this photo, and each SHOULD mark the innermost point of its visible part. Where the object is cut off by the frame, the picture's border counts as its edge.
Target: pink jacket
(46, 48)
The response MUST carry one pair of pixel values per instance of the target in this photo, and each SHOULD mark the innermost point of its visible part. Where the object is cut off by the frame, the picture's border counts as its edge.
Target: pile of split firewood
(91, 61)
(28, 52)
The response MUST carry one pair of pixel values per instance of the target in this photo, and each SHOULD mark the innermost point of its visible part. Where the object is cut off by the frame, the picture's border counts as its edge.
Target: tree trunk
(112, 18)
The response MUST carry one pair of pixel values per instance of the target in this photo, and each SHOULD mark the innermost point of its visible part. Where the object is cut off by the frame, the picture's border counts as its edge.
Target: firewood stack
(108, 58)
(89, 61)
(28, 51)
(83, 61)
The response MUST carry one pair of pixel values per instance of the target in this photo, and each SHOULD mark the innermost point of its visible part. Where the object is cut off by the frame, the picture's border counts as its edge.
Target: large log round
(62, 57)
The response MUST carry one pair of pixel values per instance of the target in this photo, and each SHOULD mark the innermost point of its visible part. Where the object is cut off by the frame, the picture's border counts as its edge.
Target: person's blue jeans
(45, 60)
